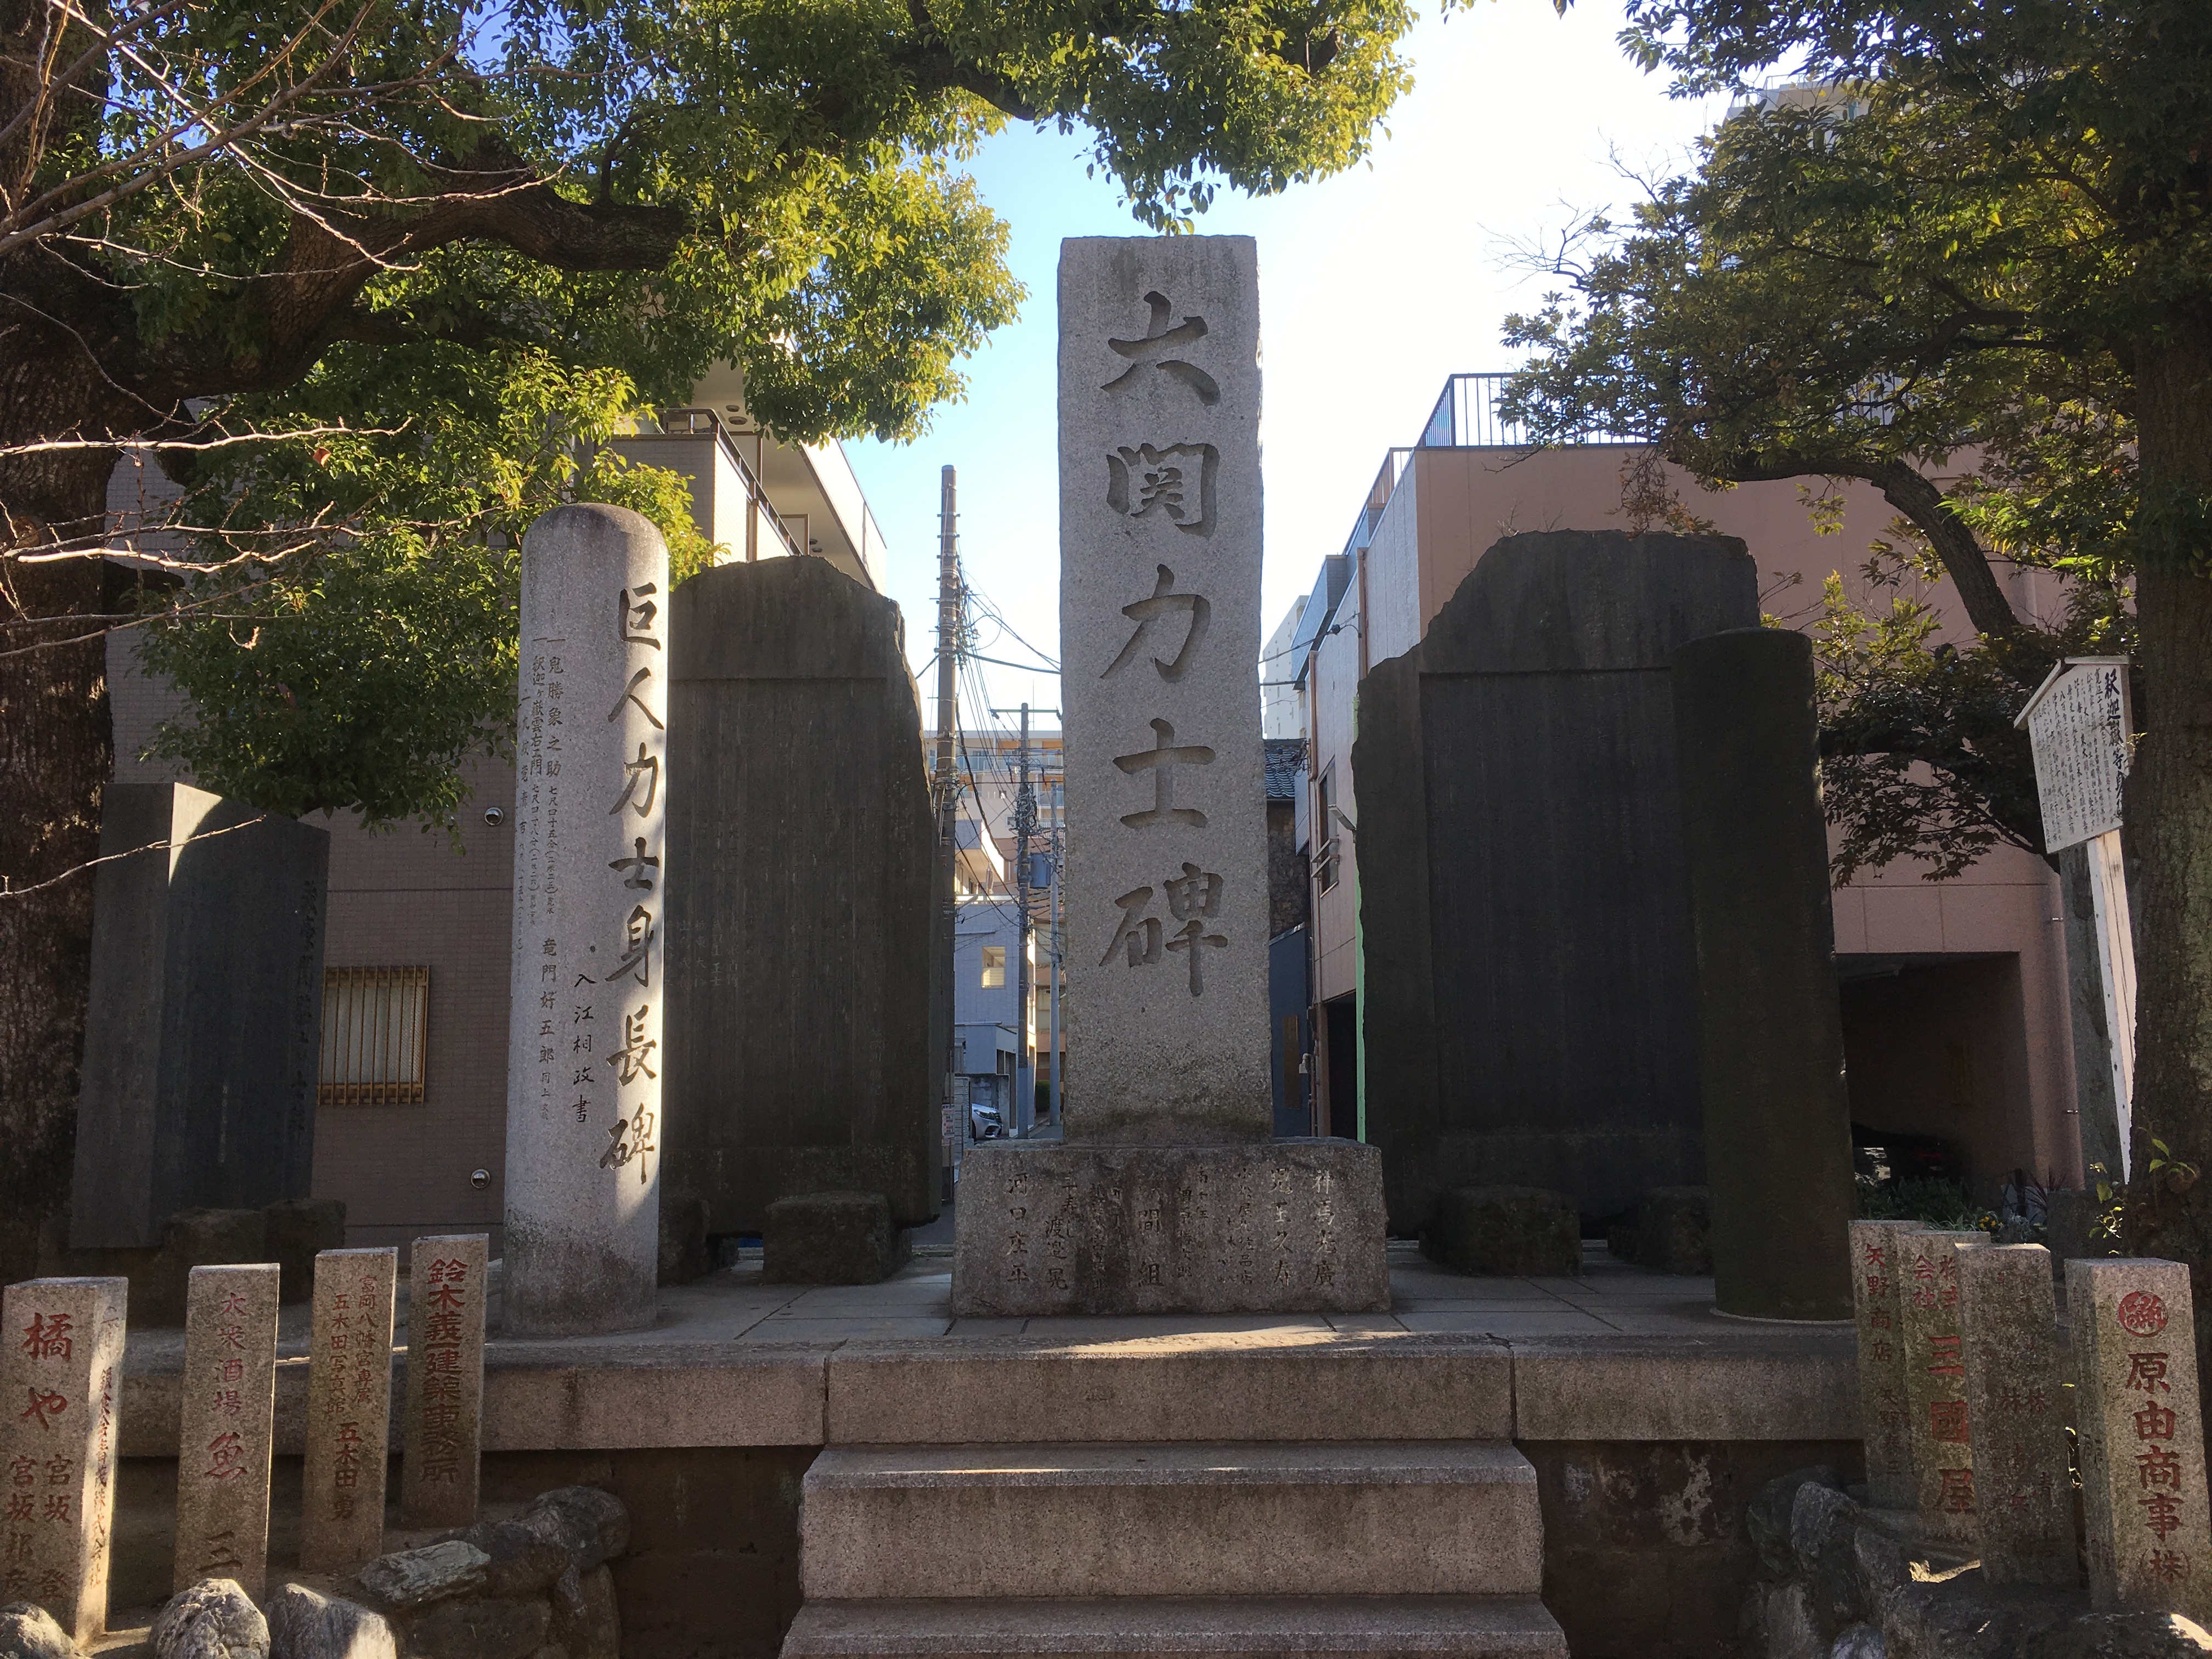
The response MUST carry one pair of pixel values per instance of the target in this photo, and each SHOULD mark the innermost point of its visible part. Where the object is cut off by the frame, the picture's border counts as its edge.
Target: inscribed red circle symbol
(2141, 1314)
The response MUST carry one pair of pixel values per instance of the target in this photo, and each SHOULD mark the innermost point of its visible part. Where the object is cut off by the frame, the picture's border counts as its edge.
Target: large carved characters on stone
(1169, 1194)
(583, 1091)
(1159, 617)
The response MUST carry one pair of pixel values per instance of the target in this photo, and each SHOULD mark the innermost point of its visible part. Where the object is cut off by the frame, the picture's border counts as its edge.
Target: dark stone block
(1524, 909)
(831, 1238)
(1674, 1231)
(300, 1229)
(801, 858)
(206, 1008)
(1505, 1231)
(1770, 1023)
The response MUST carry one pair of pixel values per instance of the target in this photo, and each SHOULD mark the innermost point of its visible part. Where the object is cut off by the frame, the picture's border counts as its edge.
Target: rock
(1860, 1642)
(586, 1624)
(2124, 1636)
(591, 1525)
(411, 1578)
(1766, 1519)
(485, 1629)
(1505, 1231)
(1960, 1617)
(303, 1624)
(1824, 1525)
(1820, 1517)
(1673, 1232)
(1792, 1631)
(30, 1632)
(831, 1238)
(215, 1618)
(524, 1563)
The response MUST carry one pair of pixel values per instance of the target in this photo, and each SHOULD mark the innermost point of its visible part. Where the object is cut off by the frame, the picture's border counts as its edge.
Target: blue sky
(1373, 287)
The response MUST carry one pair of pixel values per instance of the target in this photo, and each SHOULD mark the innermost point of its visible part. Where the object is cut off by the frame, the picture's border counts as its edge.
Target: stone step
(1220, 1627)
(1388, 1518)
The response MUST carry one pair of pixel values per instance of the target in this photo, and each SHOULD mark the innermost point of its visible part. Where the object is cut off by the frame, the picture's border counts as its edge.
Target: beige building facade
(1956, 997)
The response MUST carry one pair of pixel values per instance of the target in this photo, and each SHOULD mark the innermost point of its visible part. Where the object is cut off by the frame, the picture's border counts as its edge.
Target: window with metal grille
(375, 1031)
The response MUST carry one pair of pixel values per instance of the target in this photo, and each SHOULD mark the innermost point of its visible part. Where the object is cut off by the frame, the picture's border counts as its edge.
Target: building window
(994, 965)
(376, 1029)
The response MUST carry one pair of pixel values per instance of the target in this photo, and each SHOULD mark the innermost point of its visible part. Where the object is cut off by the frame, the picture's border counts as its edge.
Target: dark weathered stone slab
(206, 1009)
(1877, 1262)
(1778, 1124)
(801, 845)
(1287, 1226)
(2016, 1410)
(1528, 992)
(1505, 1230)
(831, 1238)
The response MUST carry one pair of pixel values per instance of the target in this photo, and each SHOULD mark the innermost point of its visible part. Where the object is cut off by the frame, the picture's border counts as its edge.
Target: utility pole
(1024, 821)
(947, 783)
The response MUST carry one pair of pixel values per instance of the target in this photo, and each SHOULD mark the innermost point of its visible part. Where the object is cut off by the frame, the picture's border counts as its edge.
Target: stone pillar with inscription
(583, 1045)
(1168, 1194)
(61, 1377)
(441, 1420)
(2142, 1436)
(1936, 1382)
(349, 1410)
(2023, 1487)
(1876, 1258)
(227, 1423)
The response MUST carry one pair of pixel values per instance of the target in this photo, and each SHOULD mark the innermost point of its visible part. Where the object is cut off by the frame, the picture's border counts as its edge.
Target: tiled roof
(1284, 757)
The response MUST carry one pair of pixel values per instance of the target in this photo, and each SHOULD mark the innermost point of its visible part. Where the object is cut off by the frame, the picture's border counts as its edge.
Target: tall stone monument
(201, 1034)
(801, 855)
(1778, 1121)
(61, 1378)
(583, 1036)
(1168, 1194)
(1530, 979)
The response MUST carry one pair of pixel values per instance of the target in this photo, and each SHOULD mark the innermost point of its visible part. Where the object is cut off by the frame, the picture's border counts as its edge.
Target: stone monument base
(1283, 1226)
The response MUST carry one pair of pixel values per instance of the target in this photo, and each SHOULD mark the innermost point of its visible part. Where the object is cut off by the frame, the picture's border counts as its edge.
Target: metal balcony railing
(701, 422)
(1466, 418)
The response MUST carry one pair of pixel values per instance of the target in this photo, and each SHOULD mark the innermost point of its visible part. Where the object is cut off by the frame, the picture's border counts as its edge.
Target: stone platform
(1285, 1226)
(1649, 1422)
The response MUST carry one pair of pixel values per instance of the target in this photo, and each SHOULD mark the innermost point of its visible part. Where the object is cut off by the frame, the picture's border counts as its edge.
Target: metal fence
(1466, 418)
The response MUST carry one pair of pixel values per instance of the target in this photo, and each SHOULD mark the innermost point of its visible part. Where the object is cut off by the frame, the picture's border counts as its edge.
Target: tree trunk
(2169, 811)
(56, 755)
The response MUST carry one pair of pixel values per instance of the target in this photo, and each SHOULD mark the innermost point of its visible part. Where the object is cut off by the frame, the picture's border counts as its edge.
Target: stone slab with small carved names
(349, 1409)
(1146, 1230)
(586, 998)
(227, 1422)
(61, 1375)
(2023, 1485)
(1877, 1257)
(1165, 872)
(1936, 1382)
(441, 1416)
(2142, 1436)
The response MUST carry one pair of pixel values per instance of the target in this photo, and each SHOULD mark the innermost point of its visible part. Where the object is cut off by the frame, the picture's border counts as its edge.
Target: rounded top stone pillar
(583, 1109)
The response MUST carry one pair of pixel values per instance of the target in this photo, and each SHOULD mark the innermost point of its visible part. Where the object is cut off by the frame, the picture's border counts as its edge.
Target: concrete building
(411, 1115)
(1954, 995)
